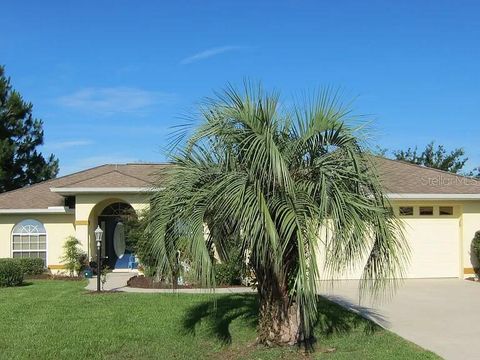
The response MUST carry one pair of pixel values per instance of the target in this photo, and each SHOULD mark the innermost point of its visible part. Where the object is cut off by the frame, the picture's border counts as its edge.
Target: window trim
(436, 211)
(14, 233)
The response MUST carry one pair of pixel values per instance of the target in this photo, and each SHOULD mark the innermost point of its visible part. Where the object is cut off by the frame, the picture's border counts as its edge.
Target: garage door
(434, 245)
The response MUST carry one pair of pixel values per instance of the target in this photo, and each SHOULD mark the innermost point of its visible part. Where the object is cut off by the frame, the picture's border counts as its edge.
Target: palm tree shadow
(337, 315)
(218, 314)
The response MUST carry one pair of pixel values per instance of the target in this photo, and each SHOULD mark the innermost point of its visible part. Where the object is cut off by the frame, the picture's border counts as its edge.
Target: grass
(59, 320)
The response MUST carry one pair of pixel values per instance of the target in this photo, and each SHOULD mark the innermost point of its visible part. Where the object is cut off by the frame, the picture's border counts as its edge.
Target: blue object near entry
(132, 262)
(122, 262)
(88, 273)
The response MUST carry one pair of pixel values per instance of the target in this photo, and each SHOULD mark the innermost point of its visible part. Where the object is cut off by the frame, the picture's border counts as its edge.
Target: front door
(116, 254)
(110, 227)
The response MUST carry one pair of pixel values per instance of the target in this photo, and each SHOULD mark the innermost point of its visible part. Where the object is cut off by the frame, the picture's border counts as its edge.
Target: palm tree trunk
(279, 320)
(175, 280)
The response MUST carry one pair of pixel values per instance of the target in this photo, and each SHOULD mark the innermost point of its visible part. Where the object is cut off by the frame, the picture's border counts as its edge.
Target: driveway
(441, 315)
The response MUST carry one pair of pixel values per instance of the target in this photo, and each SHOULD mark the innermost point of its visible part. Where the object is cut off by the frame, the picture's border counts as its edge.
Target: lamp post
(98, 238)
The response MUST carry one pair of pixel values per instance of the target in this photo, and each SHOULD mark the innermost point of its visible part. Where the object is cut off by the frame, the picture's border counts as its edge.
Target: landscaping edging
(230, 290)
(142, 282)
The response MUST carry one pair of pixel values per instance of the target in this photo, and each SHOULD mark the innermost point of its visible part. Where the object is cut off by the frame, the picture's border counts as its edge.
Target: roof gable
(112, 179)
(39, 196)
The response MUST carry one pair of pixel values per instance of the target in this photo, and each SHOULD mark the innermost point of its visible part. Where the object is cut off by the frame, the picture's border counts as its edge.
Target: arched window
(29, 239)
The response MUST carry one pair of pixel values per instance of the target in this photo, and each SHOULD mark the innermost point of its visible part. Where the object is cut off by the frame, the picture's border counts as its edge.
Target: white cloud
(67, 144)
(114, 100)
(208, 53)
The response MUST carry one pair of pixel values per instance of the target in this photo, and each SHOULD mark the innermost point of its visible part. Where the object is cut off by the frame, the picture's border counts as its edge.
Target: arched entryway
(114, 220)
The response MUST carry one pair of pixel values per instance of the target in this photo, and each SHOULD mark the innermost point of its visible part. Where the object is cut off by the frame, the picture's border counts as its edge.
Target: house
(440, 210)
(36, 220)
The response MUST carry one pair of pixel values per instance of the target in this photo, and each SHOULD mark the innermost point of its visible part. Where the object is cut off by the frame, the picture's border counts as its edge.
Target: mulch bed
(144, 282)
(150, 283)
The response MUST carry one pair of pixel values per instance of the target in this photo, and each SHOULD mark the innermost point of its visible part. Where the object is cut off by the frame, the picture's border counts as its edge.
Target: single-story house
(441, 212)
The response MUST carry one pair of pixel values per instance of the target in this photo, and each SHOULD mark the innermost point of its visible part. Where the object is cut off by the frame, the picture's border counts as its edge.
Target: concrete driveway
(441, 315)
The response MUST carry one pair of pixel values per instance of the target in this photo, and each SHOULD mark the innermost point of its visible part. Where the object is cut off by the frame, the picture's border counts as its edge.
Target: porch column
(81, 233)
(84, 221)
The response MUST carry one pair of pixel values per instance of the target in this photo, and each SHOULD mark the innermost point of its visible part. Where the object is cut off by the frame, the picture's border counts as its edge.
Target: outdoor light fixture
(98, 238)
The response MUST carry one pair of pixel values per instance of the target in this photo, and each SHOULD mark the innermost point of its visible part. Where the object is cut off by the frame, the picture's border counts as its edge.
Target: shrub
(475, 249)
(31, 266)
(83, 262)
(149, 271)
(73, 258)
(228, 273)
(11, 273)
(138, 239)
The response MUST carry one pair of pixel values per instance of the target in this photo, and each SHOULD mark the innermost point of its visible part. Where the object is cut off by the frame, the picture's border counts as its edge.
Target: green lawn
(59, 320)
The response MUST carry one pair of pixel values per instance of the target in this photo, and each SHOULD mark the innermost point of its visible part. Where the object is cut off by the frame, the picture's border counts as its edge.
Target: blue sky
(110, 78)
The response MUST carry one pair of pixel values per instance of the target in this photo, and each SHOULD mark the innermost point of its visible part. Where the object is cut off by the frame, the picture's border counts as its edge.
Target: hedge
(11, 273)
(31, 266)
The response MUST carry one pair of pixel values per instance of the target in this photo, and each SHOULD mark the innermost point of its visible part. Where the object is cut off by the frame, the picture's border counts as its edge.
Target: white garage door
(434, 245)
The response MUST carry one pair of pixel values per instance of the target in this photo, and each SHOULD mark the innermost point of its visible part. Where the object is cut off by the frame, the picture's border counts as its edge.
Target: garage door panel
(434, 246)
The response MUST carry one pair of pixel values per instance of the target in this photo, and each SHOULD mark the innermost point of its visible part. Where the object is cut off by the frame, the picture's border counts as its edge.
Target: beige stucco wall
(58, 228)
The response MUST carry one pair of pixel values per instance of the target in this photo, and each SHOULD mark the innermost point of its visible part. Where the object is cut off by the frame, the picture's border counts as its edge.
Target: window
(70, 202)
(405, 210)
(446, 210)
(426, 210)
(29, 239)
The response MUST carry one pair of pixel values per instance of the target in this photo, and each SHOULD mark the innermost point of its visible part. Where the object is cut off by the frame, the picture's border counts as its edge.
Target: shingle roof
(397, 177)
(39, 196)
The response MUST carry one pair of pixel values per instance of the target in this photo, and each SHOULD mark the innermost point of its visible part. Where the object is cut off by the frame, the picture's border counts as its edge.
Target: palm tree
(278, 178)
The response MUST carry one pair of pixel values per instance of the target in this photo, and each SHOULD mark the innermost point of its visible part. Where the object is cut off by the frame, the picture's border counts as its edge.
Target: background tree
(434, 157)
(277, 176)
(21, 163)
(474, 173)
